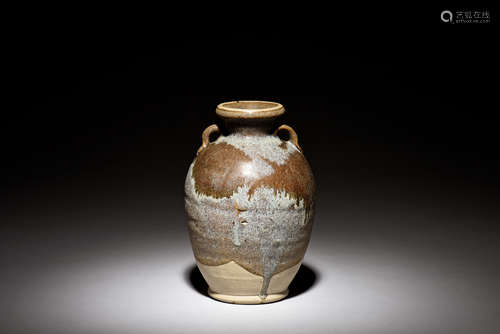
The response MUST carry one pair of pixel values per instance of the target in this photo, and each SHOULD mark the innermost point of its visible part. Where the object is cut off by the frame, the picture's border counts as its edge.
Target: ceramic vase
(249, 197)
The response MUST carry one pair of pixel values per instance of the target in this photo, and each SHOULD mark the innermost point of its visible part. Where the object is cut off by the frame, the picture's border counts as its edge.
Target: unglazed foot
(248, 299)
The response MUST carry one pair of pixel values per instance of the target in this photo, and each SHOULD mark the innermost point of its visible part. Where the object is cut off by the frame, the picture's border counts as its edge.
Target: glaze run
(250, 199)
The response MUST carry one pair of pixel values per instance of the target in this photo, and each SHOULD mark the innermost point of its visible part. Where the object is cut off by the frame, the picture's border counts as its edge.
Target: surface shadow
(303, 281)
(192, 275)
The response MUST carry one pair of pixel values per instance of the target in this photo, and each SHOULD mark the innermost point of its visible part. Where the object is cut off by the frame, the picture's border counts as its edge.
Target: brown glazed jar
(249, 196)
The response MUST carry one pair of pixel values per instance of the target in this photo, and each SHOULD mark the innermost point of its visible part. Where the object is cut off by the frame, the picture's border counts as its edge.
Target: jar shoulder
(232, 162)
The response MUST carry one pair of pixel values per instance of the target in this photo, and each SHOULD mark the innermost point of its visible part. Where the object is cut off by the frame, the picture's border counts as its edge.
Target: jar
(249, 197)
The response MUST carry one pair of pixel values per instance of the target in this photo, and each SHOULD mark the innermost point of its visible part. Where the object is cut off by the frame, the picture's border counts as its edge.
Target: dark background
(396, 114)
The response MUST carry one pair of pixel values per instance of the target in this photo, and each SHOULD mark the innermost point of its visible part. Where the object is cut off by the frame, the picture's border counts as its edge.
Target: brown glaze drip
(294, 177)
(215, 174)
(214, 168)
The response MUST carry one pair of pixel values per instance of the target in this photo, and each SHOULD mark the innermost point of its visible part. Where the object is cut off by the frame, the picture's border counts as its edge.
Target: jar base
(247, 299)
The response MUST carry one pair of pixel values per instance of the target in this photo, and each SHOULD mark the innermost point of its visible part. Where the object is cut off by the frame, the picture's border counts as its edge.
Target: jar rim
(250, 109)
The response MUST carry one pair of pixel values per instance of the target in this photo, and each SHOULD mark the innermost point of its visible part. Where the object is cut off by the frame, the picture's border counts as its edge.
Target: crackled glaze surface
(250, 199)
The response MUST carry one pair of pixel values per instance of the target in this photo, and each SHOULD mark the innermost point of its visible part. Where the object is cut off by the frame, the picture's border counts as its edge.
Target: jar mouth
(250, 109)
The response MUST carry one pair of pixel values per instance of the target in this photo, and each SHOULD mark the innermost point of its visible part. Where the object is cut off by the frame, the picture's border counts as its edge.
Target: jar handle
(205, 136)
(293, 135)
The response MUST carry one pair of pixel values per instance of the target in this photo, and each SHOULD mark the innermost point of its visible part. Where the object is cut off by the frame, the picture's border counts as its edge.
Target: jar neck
(250, 127)
(249, 118)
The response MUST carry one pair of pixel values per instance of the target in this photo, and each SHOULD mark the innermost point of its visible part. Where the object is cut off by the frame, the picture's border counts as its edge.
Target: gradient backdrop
(400, 130)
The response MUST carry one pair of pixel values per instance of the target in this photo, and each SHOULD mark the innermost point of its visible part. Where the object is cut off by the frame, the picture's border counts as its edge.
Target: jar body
(249, 197)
